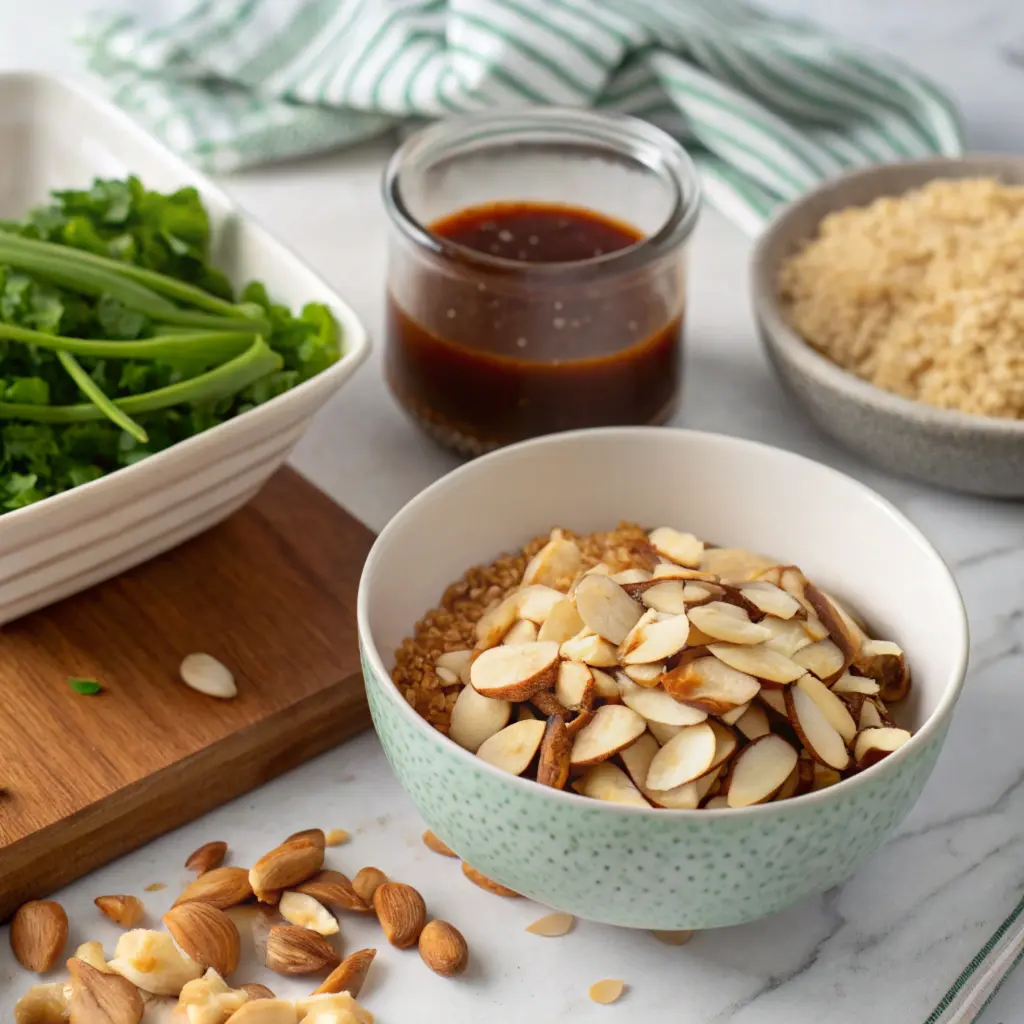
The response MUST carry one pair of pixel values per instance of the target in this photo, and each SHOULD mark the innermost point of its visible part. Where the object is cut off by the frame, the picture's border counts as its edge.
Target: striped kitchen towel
(768, 107)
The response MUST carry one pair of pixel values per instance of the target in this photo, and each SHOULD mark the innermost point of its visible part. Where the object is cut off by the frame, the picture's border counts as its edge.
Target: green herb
(118, 338)
(84, 686)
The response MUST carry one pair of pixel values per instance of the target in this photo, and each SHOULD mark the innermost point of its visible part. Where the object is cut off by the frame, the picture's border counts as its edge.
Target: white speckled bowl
(657, 868)
(977, 454)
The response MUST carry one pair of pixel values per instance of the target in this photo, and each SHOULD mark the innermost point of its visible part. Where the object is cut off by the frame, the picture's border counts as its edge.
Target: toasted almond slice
(760, 662)
(824, 777)
(818, 735)
(656, 705)
(512, 749)
(725, 743)
(478, 878)
(774, 699)
(605, 686)
(687, 756)
(457, 662)
(787, 635)
(754, 722)
(574, 687)
(653, 641)
(563, 622)
(591, 649)
(645, 675)
(770, 599)
(884, 662)
(447, 676)
(717, 803)
(823, 659)
(734, 563)
(552, 926)
(814, 628)
(555, 564)
(869, 717)
(681, 548)
(523, 631)
(710, 782)
(668, 597)
(874, 744)
(733, 716)
(536, 602)
(515, 672)
(438, 845)
(671, 571)
(830, 706)
(849, 683)
(606, 608)
(608, 782)
(555, 748)
(613, 727)
(760, 770)
(630, 576)
(789, 786)
(637, 758)
(524, 713)
(846, 638)
(497, 621)
(663, 733)
(476, 718)
(716, 621)
(606, 991)
(710, 685)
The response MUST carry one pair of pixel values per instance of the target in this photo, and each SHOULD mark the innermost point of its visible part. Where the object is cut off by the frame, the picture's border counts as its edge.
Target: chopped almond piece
(663, 733)
(774, 699)
(869, 717)
(457, 662)
(884, 662)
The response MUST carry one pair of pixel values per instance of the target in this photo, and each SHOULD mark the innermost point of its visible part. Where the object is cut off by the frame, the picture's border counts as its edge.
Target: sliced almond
(733, 716)
(672, 938)
(457, 662)
(286, 866)
(536, 602)
(513, 748)
(761, 662)
(207, 675)
(99, 998)
(637, 758)
(207, 857)
(787, 635)
(663, 733)
(823, 659)
(760, 769)
(884, 662)
(719, 620)
(334, 890)
(820, 738)
(645, 675)
(591, 649)
(574, 687)
(476, 718)
(655, 640)
(126, 911)
(481, 880)
(814, 628)
(629, 577)
(432, 842)
(555, 748)
(849, 683)
(613, 727)
(606, 609)
(552, 926)
(775, 700)
(349, 975)
(523, 631)
(671, 571)
(608, 782)
(687, 756)
(607, 991)
(605, 686)
(206, 935)
(449, 678)
(824, 777)
(681, 548)
(300, 908)
(497, 621)
(515, 672)
(830, 706)
(874, 744)
(710, 685)
(734, 563)
(295, 950)
(401, 912)
(668, 597)
(657, 705)
(725, 742)
(869, 716)
(771, 600)
(789, 786)
(847, 639)
(754, 722)
(555, 564)
(39, 931)
(710, 782)
(563, 622)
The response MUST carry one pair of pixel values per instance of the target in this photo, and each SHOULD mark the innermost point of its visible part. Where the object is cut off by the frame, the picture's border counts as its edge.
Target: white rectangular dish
(55, 135)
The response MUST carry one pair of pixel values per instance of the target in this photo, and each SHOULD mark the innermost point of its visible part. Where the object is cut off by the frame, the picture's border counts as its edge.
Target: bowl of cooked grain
(550, 638)
(891, 304)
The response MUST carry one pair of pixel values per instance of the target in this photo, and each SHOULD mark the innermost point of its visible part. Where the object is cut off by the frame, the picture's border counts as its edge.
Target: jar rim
(665, 156)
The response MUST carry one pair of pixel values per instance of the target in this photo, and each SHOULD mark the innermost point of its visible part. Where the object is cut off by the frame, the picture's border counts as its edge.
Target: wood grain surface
(271, 592)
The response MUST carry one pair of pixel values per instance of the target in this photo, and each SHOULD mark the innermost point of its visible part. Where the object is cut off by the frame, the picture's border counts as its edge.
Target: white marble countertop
(883, 947)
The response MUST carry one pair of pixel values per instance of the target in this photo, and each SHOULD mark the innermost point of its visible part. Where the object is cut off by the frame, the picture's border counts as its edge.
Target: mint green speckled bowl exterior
(631, 866)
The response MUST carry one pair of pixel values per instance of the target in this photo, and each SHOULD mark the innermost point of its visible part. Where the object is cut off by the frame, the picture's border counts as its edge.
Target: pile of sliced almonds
(703, 678)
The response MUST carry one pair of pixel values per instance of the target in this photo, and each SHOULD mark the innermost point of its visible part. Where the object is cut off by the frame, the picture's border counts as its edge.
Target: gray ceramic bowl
(978, 454)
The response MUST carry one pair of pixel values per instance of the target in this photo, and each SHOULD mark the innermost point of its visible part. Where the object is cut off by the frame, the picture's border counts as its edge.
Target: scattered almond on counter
(301, 909)
(443, 948)
(206, 935)
(609, 990)
(206, 674)
(295, 950)
(672, 938)
(366, 882)
(222, 887)
(127, 911)
(102, 998)
(39, 931)
(552, 926)
(287, 865)
(433, 843)
(207, 857)
(349, 975)
(401, 912)
(480, 879)
(334, 890)
(336, 837)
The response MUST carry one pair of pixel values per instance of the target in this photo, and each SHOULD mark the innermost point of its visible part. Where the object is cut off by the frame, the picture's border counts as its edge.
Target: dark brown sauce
(484, 361)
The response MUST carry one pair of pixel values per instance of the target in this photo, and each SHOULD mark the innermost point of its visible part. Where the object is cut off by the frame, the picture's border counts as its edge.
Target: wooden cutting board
(271, 592)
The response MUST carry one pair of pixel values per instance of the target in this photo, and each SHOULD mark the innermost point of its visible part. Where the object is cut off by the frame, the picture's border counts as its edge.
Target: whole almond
(480, 879)
(98, 998)
(257, 992)
(314, 835)
(334, 890)
(295, 950)
(401, 912)
(206, 935)
(39, 931)
(127, 911)
(286, 866)
(349, 975)
(366, 883)
(438, 846)
(207, 857)
(443, 948)
(221, 888)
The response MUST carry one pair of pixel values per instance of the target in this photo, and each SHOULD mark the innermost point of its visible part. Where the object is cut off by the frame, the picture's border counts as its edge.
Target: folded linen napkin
(768, 107)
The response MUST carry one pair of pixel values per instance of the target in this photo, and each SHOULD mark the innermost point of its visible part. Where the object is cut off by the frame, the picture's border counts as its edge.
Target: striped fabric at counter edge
(982, 978)
(770, 107)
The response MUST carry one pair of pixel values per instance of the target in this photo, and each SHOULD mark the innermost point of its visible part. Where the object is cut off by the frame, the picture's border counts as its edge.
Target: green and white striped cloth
(768, 107)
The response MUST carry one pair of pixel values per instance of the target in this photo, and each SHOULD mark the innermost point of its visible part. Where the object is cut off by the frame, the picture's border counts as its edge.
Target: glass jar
(536, 274)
